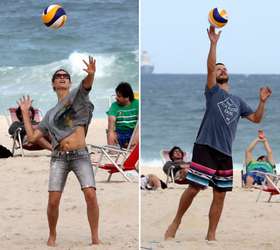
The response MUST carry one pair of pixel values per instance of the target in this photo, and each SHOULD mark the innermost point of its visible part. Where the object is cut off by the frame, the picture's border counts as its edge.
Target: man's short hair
(125, 90)
(172, 151)
(219, 63)
(262, 157)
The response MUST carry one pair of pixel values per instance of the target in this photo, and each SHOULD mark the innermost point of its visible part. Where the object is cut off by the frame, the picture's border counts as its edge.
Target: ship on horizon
(146, 66)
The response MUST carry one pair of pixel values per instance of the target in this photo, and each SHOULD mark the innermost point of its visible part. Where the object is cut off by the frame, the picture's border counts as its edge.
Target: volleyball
(54, 16)
(218, 17)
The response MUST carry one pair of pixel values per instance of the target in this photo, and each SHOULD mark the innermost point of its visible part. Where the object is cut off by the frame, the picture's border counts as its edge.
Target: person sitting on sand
(42, 142)
(67, 123)
(264, 163)
(151, 182)
(123, 117)
(177, 164)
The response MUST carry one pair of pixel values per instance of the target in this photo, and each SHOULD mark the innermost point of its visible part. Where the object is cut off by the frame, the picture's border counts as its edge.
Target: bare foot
(212, 242)
(51, 241)
(171, 231)
(95, 241)
(210, 237)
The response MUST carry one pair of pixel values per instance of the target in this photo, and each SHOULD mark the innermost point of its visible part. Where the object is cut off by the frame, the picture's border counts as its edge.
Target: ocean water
(31, 52)
(173, 107)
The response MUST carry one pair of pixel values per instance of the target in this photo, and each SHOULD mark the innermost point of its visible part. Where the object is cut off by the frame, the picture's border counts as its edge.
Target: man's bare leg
(92, 213)
(53, 211)
(215, 213)
(185, 202)
(154, 181)
(249, 182)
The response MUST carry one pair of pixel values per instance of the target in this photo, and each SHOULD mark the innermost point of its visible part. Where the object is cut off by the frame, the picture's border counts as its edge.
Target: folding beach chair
(244, 171)
(270, 184)
(164, 153)
(117, 151)
(18, 143)
(117, 165)
(114, 151)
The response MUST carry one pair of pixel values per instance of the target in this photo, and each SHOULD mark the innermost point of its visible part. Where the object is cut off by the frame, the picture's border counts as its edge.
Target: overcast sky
(174, 34)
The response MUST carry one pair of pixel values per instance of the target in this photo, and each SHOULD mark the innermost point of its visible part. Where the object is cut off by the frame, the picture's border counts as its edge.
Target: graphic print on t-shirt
(64, 118)
(229, 110)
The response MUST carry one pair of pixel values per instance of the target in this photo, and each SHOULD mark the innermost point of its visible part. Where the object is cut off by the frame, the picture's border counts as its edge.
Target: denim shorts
(62, 162)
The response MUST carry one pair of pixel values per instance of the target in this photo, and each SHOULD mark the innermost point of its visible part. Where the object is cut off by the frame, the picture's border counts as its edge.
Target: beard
(222, 80)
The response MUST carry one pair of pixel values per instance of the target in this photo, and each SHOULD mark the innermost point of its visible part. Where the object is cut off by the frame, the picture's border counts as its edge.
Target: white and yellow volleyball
(54, 16)
(218, 17)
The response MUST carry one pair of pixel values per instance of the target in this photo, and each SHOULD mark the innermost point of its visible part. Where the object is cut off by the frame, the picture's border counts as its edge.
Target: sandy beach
(245, 224)
(23, 219)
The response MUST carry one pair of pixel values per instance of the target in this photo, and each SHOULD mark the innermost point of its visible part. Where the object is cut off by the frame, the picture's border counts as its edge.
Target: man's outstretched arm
(249, 150)
(257, 116)
(268, 151)
(211, 60)
(91, 68)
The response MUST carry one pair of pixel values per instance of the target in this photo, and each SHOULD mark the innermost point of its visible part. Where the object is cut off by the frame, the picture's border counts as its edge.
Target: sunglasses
(59, 75)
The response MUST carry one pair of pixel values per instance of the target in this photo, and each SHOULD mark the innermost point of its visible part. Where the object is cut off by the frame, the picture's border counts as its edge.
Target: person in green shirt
(123, 117)
(264, 163)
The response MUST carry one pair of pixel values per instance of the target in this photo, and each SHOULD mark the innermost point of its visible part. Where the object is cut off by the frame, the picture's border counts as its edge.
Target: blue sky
(174, 34)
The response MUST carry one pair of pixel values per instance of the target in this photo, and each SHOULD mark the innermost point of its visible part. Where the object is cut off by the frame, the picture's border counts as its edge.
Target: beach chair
(117, 165)
(124, 152)
(244, 171)
(114, 151)
(270, 185)
(18, 144)
(164, 154)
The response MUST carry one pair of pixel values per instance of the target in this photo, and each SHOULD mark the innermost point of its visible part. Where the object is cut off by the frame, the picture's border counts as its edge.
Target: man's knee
(193, 190)
(53, 204)
(249, 180)
(54, 199)
(90, 196)
(219, 196)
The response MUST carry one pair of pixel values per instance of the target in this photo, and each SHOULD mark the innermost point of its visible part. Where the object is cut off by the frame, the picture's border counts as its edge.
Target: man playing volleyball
(212, 162)
(67, 123)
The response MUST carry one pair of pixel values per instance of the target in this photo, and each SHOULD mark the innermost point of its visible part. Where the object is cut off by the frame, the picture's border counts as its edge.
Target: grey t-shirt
(72, 111)
(218, 127)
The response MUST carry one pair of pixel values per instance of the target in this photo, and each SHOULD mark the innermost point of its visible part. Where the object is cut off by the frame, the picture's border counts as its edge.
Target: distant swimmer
(212, 161)
(67, 124)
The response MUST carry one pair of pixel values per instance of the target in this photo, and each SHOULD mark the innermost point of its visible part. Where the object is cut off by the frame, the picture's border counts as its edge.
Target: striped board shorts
(210, 167)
